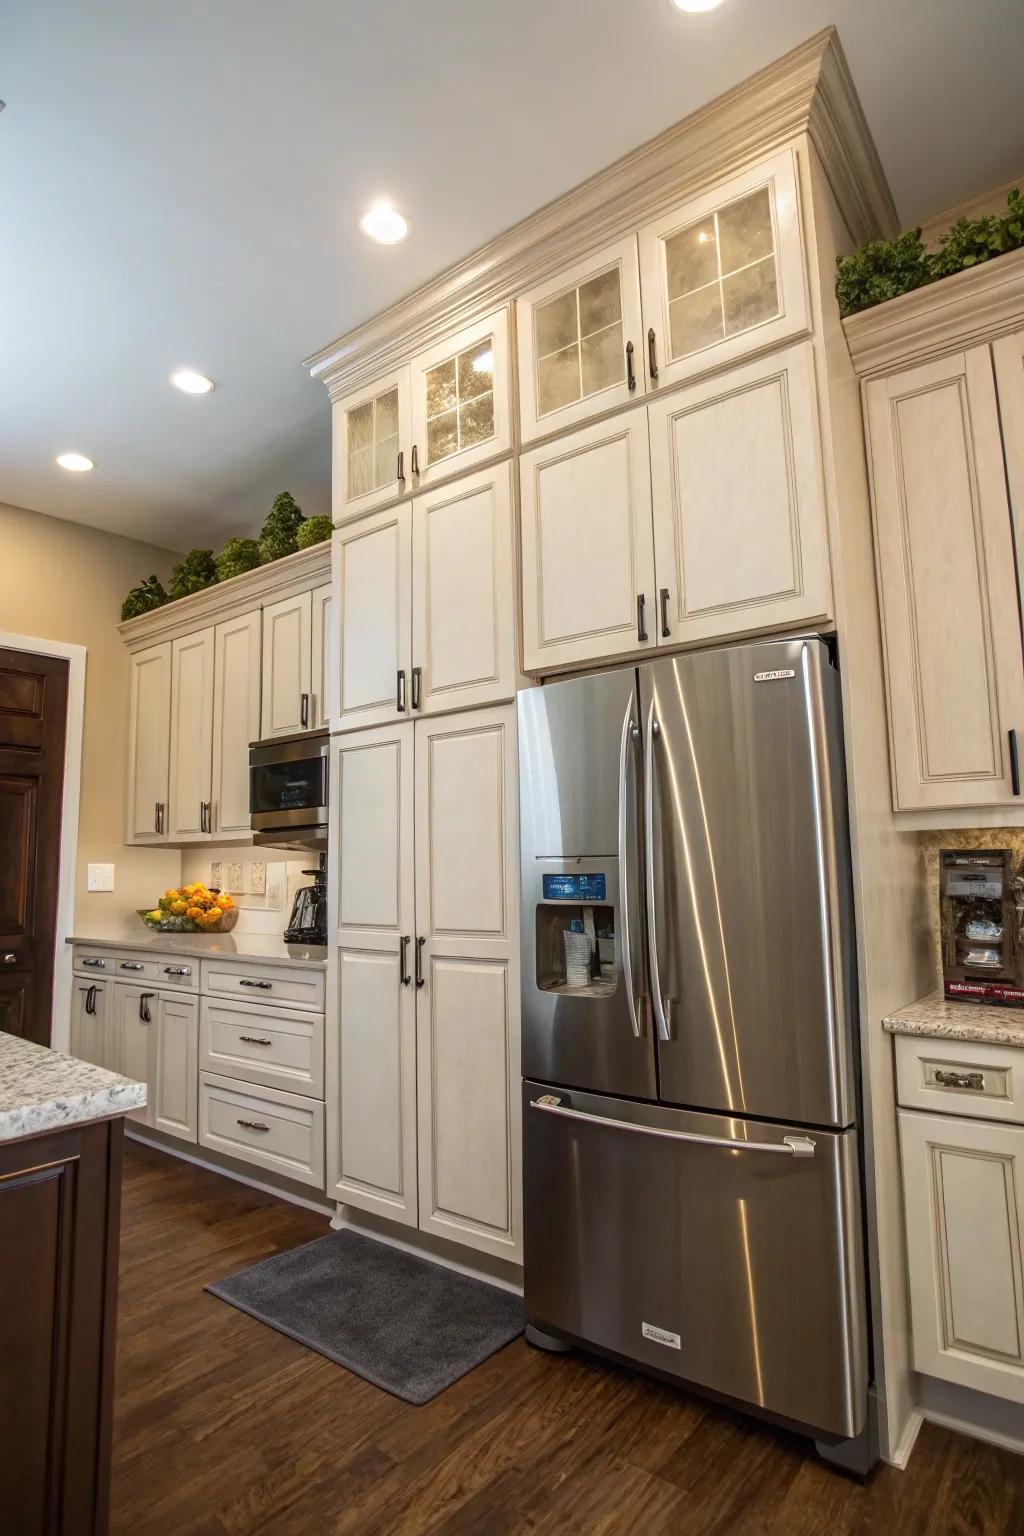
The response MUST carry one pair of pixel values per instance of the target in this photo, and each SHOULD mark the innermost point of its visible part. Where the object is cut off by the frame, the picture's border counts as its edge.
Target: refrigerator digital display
(574, 888)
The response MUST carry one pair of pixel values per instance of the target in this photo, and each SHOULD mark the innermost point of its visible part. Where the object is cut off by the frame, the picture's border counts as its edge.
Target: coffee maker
(308, 922)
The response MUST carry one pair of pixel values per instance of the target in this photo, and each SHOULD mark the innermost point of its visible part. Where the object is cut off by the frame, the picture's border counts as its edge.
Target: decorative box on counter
(981, 898)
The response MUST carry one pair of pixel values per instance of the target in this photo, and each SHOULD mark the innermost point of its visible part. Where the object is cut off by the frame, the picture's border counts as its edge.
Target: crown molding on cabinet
(808, 92)
(305, 569)
(972, 306)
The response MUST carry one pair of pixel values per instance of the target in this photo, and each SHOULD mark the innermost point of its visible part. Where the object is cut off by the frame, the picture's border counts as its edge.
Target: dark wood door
(33, 712)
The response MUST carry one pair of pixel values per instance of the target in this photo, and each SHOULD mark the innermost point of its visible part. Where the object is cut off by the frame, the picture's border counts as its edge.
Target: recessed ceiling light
(75, 461)
(696, 5)
(384, 224)
(190, 382)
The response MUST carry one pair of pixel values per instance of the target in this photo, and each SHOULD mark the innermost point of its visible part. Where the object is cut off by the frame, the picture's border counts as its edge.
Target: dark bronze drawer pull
(248, 981)
(253, 1125)
(255, 1040)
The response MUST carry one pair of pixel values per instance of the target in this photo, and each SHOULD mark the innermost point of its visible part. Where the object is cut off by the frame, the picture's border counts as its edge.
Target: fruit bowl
(200, 910)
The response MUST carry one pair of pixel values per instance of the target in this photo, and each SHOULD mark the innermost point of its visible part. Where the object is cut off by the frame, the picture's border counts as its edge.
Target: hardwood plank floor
(225, 1428)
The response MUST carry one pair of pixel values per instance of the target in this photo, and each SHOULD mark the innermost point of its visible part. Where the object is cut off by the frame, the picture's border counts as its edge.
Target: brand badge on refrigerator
(660, 1335)
(773, 677)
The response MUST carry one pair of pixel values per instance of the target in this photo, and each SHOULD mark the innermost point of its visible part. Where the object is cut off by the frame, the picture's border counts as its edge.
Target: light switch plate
(99, 877)
(235, 883)
(258, 877)
(217, 875)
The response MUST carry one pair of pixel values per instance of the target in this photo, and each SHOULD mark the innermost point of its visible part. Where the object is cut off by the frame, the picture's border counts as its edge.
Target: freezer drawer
(737, 1270)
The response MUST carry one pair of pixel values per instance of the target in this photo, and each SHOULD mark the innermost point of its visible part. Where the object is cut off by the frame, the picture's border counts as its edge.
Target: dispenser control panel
(578, 888)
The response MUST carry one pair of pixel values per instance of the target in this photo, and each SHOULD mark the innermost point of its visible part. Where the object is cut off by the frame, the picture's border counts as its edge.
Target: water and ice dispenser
(574, 944)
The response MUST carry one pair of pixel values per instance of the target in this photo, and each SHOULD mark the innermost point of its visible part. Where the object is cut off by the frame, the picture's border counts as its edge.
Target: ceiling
(181, 185)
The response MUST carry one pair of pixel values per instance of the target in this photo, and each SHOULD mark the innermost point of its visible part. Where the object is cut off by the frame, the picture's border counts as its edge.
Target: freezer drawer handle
(791, 1146)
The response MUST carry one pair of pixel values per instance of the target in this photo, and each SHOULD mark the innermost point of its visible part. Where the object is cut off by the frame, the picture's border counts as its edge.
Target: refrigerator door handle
(664, 1033)
(629, 734)
(790, 1146)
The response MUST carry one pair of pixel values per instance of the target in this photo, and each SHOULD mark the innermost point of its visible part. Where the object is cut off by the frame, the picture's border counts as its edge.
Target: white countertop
(941, 1019)
(241, 946)
(42, 1090)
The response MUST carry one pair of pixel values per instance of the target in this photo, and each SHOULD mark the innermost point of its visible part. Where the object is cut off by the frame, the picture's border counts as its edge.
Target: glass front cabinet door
(723, 275)
(460, 401)
(580, 341)
(371, 447)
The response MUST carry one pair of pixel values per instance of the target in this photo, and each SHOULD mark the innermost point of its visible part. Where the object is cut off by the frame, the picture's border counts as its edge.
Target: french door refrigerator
(691, 1183)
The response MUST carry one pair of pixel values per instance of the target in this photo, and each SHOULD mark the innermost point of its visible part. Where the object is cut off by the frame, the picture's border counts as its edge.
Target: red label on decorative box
(997, 992)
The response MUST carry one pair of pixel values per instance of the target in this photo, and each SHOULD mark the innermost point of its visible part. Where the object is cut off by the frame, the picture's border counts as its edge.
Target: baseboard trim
(381, 1232)
(321, 1207)
(905, 1445)
(975, 1432)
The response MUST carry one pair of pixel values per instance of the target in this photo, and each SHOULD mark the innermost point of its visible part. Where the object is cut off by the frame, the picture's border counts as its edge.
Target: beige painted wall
(63, 581)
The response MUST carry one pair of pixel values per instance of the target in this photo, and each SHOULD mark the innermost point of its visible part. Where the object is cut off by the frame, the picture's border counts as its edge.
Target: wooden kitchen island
(61, 1138)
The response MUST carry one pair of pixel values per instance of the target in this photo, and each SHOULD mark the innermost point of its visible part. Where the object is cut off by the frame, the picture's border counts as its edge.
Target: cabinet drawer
(86, 961)
(280, 1048)
(960, 1077)
(265, 1126)
(291, 986)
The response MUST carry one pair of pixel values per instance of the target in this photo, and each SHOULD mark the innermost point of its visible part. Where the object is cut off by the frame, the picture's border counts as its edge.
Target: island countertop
(42, 1090)
(255, 947)
(942, 1019)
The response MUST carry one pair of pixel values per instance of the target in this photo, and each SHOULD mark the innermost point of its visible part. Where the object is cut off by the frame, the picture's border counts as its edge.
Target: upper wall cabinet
(287, 666)
(580, 340)
(236, 719)
(1008, 355)
(148, 744)
(191, 771)
(723, 275)
(371, 438)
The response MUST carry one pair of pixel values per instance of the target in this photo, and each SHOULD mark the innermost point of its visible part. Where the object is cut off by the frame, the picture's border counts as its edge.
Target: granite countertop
(936, 1016)
(42, 1090)
(241, 946)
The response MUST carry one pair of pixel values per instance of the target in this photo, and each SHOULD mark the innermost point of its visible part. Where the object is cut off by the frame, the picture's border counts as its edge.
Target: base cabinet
(156, 1037)
(92, 1023)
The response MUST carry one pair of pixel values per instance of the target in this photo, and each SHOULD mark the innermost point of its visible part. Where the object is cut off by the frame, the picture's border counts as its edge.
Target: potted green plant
(279, 536)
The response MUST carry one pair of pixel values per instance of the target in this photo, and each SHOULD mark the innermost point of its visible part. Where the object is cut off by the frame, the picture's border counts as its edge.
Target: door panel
(463, 604)
(1008, 356)
(236, 720)
(371, 438)
(740, 1271)
(134, 1042)
(740, 537)
(33, 709)
(748, 882)
(461, 407)
(587, 545)
(149, 744)
(90, 1029)
(324, 703)
(372, 575)
(191, 772)
(287, 665)
(175, 1087)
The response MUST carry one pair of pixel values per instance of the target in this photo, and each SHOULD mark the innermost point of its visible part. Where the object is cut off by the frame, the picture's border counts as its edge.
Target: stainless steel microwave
(288, 779)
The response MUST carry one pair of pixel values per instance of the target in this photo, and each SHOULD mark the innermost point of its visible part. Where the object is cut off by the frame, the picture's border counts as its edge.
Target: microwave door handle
(629, 731)
(664, 1033)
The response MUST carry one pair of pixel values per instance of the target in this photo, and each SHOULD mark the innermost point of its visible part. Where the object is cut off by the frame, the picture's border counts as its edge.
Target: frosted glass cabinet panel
(371, 447)
(723, 274)
(580, 340)
(460, 401)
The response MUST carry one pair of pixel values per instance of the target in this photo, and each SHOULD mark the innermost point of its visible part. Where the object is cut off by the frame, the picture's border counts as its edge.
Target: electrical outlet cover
(275, 887)
(235, 883)
(258, 877)
(217, 875)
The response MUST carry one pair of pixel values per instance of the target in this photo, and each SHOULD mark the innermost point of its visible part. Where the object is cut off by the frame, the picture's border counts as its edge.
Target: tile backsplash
(262, 881)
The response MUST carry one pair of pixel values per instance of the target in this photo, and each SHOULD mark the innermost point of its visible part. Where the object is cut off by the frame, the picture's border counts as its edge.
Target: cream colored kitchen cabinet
(1008, 355)
(467, 980)
(580, 341)
(92, 1033)
(236, 720)
(371, 435)
(149, 724)
(157, 1036)
(461, 406)
(373, 591)
(463, 594)
(740, 535)
(323, 703)
(963, 1187)
(371, 1044)
(946, 574)
(588, 546)
(191, 742)
(287, 665)
(723, 275)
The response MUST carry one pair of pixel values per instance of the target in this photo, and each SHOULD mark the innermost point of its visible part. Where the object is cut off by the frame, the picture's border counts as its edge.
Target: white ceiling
(181, 184)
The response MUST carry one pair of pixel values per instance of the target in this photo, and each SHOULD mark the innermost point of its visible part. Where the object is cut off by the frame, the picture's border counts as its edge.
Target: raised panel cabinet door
(133, 1042)
(461, 402)
(740, 535)
(947, 584)
(191, 775)
(371, 442)
(964, 1201)
(90, 1029)
(236, 720)
(588, 546)
(467, 980)
(324, 702)
(372, 575)
(580, 341)
(149, 728)
(723, 275)
(175, 1088)
(1008, 355)
(371, 1031)
(463, 597)
(287, 666)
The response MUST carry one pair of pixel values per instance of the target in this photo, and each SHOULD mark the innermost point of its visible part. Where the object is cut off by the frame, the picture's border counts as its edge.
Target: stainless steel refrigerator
(691, 1169)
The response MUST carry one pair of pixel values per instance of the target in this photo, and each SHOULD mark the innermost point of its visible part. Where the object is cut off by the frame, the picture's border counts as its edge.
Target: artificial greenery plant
(280, 531)
(194, 573)
(149, 594)
(238, 555)
(313, 530)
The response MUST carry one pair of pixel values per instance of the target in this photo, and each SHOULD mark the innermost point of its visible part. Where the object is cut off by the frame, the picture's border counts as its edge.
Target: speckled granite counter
(42, 1090)
(935, 1016)
(242, 946)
